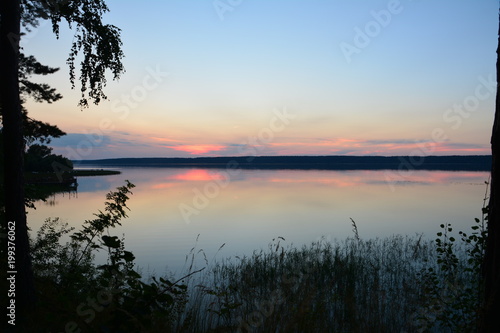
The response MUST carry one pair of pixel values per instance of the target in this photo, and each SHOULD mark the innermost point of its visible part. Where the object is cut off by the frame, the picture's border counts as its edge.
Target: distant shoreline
(445, 163)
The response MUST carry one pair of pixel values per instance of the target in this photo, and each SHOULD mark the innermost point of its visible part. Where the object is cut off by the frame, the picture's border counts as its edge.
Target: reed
(350, 285)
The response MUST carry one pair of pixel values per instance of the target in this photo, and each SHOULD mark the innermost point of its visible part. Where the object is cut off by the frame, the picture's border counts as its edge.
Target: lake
(173, 210)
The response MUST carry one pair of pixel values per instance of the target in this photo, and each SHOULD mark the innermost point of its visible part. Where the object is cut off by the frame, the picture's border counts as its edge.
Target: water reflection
(251, 207)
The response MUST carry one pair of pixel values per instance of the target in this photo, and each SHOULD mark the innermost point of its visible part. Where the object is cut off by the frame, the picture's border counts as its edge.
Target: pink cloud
(198, 149)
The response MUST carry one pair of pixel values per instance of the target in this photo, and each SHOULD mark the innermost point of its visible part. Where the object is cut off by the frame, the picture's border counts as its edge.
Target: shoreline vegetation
(41, 185)
(402, 163)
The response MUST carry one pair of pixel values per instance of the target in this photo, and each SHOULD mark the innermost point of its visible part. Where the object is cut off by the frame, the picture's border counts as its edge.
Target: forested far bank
(450, 163)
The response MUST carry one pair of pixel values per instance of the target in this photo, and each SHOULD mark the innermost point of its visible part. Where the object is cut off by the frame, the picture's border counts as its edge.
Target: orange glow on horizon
(198, 149)
(164, 139)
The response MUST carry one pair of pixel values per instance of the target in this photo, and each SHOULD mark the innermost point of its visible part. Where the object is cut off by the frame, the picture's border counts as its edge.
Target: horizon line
(280, 156)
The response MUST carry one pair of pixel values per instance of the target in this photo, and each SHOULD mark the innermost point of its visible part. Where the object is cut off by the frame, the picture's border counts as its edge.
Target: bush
(75, 293)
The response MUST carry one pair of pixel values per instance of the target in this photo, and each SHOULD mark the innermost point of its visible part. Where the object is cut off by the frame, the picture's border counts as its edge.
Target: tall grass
(393, 284)
(351, 285)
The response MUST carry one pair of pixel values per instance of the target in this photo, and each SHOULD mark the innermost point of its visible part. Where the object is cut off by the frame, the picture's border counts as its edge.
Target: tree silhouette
(490, 320)
(13, 149)
(100, 47)
(34, 130)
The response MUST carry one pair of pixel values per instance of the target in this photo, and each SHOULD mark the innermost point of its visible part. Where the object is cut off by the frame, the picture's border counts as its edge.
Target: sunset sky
(284, 77)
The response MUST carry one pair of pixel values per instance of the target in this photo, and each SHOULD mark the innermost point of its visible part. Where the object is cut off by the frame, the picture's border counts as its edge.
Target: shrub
(75, 293)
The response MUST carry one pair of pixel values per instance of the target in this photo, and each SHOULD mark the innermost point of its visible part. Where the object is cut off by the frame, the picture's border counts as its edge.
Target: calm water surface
(247, 209)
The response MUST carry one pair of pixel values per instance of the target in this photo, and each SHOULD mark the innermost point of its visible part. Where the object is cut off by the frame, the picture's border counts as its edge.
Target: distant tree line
(453, 163)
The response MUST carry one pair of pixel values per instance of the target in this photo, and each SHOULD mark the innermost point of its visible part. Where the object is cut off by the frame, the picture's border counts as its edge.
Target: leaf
(166, 298)
(111, 241)
(128, 256)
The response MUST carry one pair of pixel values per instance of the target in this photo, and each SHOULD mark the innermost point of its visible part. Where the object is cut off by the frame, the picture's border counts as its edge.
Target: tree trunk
(13, 155)
(490, 319)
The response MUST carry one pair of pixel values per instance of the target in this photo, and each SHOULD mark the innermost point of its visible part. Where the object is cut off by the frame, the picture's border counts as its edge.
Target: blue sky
(208, 78)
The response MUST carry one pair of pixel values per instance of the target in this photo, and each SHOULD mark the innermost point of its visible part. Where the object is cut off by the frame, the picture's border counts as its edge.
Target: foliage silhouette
(109, 297)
